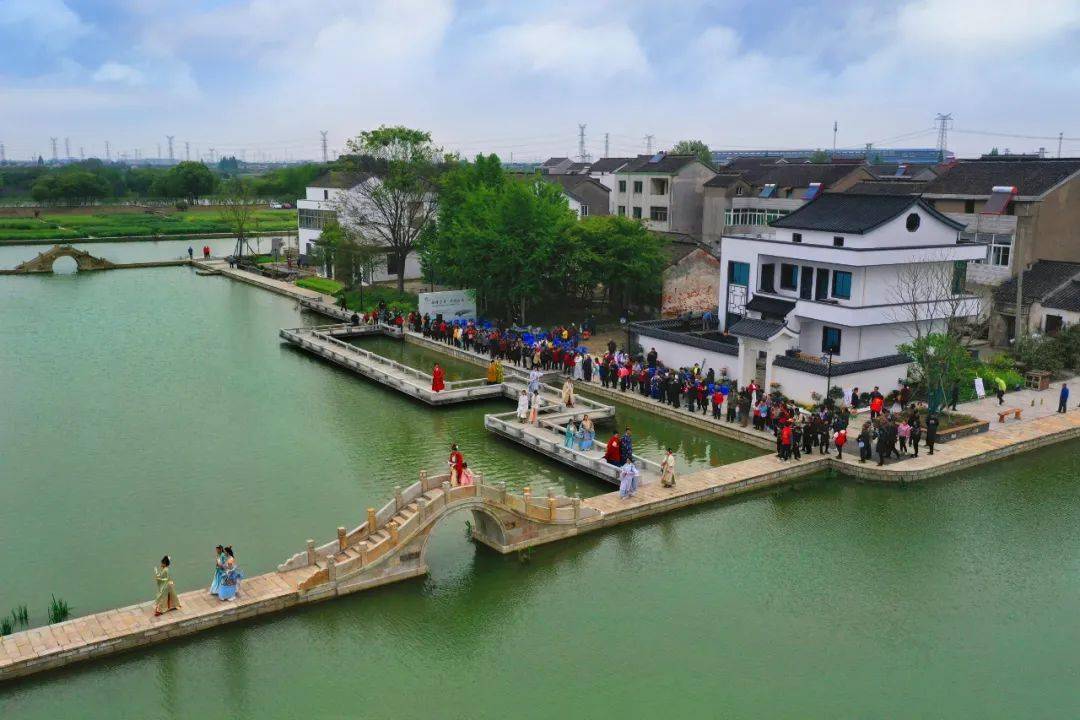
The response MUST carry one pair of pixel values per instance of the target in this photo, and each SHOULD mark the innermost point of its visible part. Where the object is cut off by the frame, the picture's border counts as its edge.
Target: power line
(1059, 136)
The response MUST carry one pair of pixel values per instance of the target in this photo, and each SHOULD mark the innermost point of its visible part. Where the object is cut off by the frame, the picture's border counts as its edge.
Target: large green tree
(694, 147)
(188, 179)
(624, 258)
(391, 207)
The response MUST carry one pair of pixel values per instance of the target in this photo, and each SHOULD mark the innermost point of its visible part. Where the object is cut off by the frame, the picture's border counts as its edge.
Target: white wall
(676, 355)
(798, 385)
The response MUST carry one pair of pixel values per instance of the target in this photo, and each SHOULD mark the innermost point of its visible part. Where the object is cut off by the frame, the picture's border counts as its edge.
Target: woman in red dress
(456, 463)
(438, 378)
(613, 454)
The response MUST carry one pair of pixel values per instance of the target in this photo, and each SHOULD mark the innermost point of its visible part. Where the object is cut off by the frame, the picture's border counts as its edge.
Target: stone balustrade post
(577, 507)
(310, 552)
(371, 524)
(331, 567)
(363, 548)
(393, 532)
(551, 506)
(397, 498)
(421, 507)
(423, 481)
(446, 492)
(342, 541)
(502, 493)
(527, 494)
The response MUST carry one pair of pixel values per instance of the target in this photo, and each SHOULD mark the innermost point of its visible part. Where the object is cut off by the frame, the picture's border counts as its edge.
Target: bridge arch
(488, 528)
(43, 263)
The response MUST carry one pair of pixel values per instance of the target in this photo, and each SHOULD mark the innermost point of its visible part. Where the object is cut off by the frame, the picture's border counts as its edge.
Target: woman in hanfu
(534, 408)
(587, 433)
(523, 406)
(667, 470)
(456, 463)
(568, 434)
(219, 568)
(438, 378)
(230, 579)
(166, 599)
(568, 393)
(466, 475)
(628, 478)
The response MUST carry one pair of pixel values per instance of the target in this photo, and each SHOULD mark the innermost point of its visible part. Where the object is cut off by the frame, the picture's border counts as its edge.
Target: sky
(263, 77)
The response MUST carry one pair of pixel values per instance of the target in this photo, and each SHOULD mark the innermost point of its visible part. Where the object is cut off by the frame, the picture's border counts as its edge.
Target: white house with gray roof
(830, 291)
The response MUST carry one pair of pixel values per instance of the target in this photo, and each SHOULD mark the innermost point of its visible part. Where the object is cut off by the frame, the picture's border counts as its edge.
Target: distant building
(664, 191)
(556, 166)
(1050, 303)
(1024, 209)
(603, 171)
(585, 195)
(316, 208)
(876, 155)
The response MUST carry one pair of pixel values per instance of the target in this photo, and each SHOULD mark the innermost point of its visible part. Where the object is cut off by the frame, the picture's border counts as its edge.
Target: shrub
(182, 205)
(1039, 353)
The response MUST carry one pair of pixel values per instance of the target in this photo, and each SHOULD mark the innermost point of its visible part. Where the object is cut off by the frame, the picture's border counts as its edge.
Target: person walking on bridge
(628, 478)
(534, 381)
(1063, 398)
(166, 598)
(456, 463)
(612, 453)
(190, 253)
(1001, 387)
(568, 393)
(534, 408)
(438, 378)
(523, 406)
(667, 470)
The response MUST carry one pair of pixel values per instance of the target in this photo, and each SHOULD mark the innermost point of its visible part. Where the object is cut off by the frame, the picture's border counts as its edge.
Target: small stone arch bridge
(392, 543)
(43, 263)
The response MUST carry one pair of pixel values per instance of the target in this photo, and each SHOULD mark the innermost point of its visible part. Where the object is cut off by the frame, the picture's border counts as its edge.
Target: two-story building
(1026, 209)
(829, 294)
(318, 206)
(664, 191)
(603, 171)
(585, 195)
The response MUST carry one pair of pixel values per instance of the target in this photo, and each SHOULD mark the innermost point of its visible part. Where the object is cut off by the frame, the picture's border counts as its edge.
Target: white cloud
(985, 25)
(583, 54)
(114, 72)
(46, 22)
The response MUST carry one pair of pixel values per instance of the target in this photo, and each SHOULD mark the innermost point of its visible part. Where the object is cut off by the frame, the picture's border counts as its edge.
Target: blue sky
(264, 76)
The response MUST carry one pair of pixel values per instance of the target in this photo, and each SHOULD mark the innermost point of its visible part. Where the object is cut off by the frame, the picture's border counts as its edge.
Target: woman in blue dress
(231, 576)
(219, 569)
(587, 433)
(570, 432)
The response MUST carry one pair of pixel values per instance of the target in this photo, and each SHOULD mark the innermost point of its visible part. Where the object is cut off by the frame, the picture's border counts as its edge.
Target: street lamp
(827, 357)
(931, 390)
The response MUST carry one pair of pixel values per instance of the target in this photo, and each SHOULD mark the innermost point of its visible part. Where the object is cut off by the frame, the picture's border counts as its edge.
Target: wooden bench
(1002, 414)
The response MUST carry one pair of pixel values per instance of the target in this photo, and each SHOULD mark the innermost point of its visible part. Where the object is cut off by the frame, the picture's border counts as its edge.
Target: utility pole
(159, 151)
(943, 122)
(53, 141)
(835, 127)
(67, 149)
(323, 133)
(648, 144)
(187, 151)
(108, 153)
(1060, 136)
(606, 144)
(170, 139)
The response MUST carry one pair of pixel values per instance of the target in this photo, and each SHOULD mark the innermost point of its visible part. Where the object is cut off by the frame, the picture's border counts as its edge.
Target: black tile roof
(853, 213)
(772, 306)
(977, 177)
(887, 187)
(1041, 280)
(757, 329)
(609, 164)
(839, 368)
(1066, 298)
(885, 171)
(553, 161)
(740, 164)
(665, 163)
(794, 175)
(723, 180)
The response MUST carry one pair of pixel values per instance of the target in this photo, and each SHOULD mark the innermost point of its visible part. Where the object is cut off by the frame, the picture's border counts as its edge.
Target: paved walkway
(1033, 404)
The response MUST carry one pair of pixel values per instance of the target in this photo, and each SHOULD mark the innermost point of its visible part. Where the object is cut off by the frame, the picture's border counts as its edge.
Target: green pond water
(154, 411)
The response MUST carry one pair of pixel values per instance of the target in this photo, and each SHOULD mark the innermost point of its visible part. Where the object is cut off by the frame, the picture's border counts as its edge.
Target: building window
(658, 213)
(841, 285)
(959, 277)
(622, 186)
(789, 276)
(637, 187)
(622, 210)
(821, 284)
(739, 191)
(738, 273)
(837, 241)
(325, 194)
(1052, 325)
(830, 340)
(1000, 250)
(584, 211)
(796, 237)
(310, 219)
(913, 221)
(752, 216)
(658, 186)
(969, 207)
(767, 279)
(637, 212)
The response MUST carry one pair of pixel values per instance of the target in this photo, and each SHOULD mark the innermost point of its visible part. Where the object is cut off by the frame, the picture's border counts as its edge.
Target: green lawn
(318, 284)
(72, 227)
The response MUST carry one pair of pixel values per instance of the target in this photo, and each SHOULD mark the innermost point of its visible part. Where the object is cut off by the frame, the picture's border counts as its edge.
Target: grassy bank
(372, 295)
(65, 226)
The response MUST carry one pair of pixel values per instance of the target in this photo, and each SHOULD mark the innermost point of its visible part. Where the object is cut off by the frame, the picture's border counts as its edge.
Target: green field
(127, 224)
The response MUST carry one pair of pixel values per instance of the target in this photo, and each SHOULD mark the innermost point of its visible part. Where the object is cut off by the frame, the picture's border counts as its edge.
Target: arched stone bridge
(43, 263)
(391, 544)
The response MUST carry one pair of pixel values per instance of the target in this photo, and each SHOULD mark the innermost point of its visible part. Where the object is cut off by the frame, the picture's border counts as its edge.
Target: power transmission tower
(606, 144)
(67, 149)
(108, 153)
(835, 127)
(648, 144)
(944, 122)
(187, 151)
(170, 139)
(581, 154)
(82, 155)
(323, 133)
(53, 141)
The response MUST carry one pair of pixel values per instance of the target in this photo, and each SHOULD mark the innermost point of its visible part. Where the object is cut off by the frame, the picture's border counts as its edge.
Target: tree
(188, 179)
(694, 147)
(625, 258)
(237, 211)
(939, 360)
(391, 208)
(819, 156)
(929, 295)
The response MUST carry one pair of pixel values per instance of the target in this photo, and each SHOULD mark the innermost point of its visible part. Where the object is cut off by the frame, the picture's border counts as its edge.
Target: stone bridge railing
(400, 528)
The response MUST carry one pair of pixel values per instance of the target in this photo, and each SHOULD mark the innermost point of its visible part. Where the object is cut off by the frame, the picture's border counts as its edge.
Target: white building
(318, 207)
(834, 277)
(603, 171)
